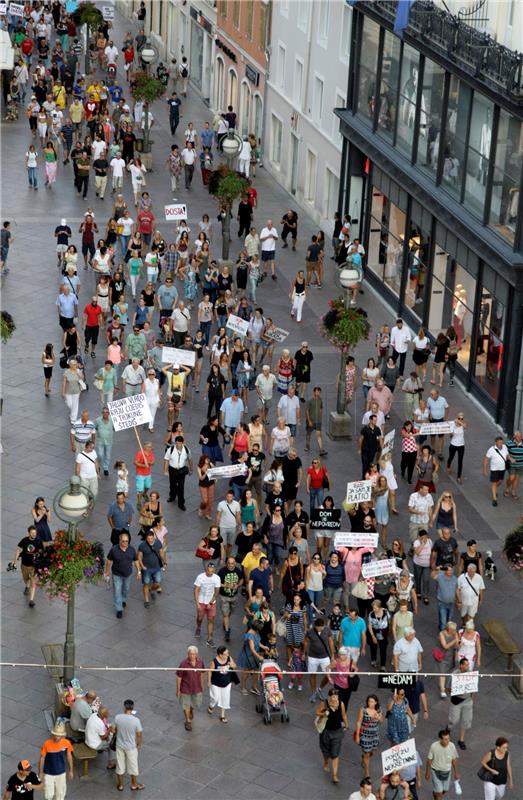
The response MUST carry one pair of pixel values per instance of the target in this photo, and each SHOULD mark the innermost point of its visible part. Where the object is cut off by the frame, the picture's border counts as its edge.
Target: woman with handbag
(445, 653)
(292, 574)
(496, 770)
(220, 679)
(211, 548)
(367, 731)
(72, 385)
(331, 722)
(342, 677)
(378, 625)
(317, 482)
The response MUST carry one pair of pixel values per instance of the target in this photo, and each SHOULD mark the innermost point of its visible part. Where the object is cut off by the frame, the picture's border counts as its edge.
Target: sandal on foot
(224, 719)
(209, 710)
(119, 788)
(137, 788)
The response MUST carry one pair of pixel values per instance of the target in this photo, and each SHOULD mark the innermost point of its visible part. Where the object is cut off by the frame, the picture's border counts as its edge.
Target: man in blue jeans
(120, 560)
(152, 561)
(446, 594)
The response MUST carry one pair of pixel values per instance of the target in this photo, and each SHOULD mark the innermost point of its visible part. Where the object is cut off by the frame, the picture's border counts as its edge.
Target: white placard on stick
(175, 211)
(237, 324)
(398, 757)
(108, 12)
(129, 412)
(464, 683)
(175, 355)
(359, 491)
(3, 9)
(277, 334)
(16, 9)
(385, 566)
(229, 471)
(388, 443)
(354, 539)
(432, 428)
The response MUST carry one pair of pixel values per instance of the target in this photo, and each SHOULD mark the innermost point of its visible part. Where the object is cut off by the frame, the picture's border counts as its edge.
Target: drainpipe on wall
(268, 21)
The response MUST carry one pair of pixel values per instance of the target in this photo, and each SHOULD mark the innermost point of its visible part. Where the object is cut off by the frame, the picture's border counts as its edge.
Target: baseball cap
(176, 366)
(25, 764)
(235, 393)
(304, 344)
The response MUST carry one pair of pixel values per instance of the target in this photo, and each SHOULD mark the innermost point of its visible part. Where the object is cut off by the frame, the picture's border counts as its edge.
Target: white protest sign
(464, 683)
(3, 8)
(107, 12)
(353, 539)
(386, 566)
(174, 355)
(16, 9)
(359, 491)
(398, 757)
(388, 443)
(277, 334)
(129, 411)
(237, 324)
(229, 471)
(175, 211)
(432, 428)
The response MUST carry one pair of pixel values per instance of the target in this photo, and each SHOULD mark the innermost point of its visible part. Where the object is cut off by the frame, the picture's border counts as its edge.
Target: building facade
(310, 45)
(432, 157)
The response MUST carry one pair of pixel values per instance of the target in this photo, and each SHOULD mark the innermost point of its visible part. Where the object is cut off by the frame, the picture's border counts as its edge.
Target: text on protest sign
(396, 679)
(386, 566)
(3, 9)
(432, 428)
(359, 491)
(107, 12)
(175, 211)
(464, 683)
(388, 443)
(175, 355)
(326, 518)
(277, 334)
(237, 324)
(354, 539)
(16, 9)
(398, 757)
(229, 471)
(129, 411)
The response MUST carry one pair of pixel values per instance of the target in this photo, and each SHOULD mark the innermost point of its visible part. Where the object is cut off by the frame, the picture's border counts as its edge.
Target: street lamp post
(340, 423)
(230, 146)
(148, 55)
(71, 504)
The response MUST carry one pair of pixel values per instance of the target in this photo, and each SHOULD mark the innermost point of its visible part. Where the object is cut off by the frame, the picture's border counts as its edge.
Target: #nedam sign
(396, 679)
(129, 411)
(326, 518)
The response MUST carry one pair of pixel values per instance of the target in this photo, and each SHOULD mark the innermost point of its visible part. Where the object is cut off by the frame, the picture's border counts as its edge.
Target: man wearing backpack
(183, 71)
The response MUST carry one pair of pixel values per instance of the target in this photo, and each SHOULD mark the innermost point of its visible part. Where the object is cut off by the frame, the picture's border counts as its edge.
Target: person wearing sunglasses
(457, 444)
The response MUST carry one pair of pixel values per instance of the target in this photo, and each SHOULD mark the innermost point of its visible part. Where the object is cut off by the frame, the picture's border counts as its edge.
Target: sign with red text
(398, 757)
(175, 212)
(237, 324)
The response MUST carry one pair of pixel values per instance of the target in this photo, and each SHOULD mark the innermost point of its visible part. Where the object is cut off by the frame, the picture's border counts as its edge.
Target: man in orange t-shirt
(143, 461)
(56, 760)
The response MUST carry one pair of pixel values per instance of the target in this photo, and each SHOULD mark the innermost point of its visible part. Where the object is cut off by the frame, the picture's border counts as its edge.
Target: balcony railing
(474, 52)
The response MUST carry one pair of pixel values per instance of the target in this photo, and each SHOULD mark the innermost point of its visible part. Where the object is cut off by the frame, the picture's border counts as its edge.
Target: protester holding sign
(462, 706)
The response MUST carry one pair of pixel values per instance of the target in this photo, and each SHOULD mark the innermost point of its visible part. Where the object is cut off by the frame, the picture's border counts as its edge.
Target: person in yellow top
(176, 378)
(77, 113)
(94, 91)
(59, 95)
(252, 560)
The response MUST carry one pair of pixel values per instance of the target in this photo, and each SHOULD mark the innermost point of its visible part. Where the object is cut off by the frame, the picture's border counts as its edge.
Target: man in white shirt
(399, 339)
(380, 416)
(420, 505)
(365, 791)
(99, 146)
(268, 238)
(469, 593)
(206, 589)
(289, 409)
(117, 166)
(188, 158)
(228, 519)
(406, 656)
(151, 120)
(98, 734)
(87, 468)
(265, 385)
(177, 464)
(244, 159)
(111, 53)
(496, 459)
(180, 319)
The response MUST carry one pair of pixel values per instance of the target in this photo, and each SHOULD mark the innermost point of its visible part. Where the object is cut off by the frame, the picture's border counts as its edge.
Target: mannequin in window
(385, 115)
(484, 148)
(459, 303)
(410, 91)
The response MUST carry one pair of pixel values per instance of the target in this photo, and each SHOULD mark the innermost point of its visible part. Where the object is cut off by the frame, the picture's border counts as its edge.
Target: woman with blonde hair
(421, 353)
(445, 514)
(382, 506)
(448, 643)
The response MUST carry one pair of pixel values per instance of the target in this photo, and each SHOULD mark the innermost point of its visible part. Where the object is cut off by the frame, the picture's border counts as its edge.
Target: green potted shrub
(227, 185)
(89, 15)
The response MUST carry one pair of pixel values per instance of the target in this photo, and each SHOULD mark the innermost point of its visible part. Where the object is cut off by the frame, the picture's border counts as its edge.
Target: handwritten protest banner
(386, 566)
(464, 683)
(358, 491)
(398, 757)
(238, 325)
(174, 355)
(326, 518)
(108, 12)
(388, 443)
(129, 412)
(432, 428)
(229, 471)
(354, 539)
(16, 9)
(277, 334)
(175, 211)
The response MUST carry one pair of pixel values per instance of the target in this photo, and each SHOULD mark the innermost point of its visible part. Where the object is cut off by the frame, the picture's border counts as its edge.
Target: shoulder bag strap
(471, 586)
(323, 643)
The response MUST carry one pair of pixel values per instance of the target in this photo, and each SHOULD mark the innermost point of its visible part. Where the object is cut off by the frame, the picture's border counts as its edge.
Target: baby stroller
(273, 699)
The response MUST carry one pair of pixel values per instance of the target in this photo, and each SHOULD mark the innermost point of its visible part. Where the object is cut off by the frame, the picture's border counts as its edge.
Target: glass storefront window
(408, 97)
(429, 134)
(507, 176)
(389, 85)
(478, 153)
(452, 301)
(417, 266)
(368, 67)
(489, 353)
(387, 234)
(460, 97)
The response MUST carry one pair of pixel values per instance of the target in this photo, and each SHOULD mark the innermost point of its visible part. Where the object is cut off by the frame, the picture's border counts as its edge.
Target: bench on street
(499, 636)
(84, 754)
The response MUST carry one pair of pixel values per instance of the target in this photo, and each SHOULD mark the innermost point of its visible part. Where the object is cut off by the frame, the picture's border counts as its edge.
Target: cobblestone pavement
(247, 759)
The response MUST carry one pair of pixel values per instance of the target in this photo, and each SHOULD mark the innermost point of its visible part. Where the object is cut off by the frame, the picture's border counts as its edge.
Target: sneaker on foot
(300, 687)
(31, 603)
(210, 644)
(198, 632)
(119, 614)
(227, 636)
(146, 604)
(290, 685)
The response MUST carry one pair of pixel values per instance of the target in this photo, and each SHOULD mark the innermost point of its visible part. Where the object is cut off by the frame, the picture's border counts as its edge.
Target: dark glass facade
(434, 157)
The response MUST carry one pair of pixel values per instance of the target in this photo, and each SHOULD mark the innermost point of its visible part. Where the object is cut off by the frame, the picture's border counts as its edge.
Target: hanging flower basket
(66, 564)
(513, 549)
(344, 328)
